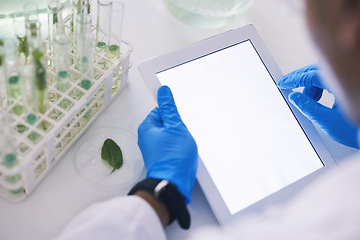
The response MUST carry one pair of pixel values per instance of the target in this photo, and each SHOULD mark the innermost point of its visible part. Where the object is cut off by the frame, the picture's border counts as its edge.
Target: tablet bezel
(149, 68)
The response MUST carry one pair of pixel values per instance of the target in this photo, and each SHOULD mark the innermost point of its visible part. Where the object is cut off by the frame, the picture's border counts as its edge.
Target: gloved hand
(168, 149)
(330, 120)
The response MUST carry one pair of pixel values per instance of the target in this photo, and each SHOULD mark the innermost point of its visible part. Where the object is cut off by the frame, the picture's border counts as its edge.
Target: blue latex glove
(330, 120)
(168, 149)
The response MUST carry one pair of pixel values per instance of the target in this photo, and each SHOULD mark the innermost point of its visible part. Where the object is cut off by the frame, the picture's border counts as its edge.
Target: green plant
(40, 78)
(23, 47)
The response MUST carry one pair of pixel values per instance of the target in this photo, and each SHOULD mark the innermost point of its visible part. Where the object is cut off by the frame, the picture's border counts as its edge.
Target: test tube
(40, 81)
(75, 10)
(55, 19)
(86, 84)
(117, 12)
(79, 7)
(20, 33)
(7, 148)
(103, 24)
(33, 30)
(10, 65)
(85, 47)
(62, 62)
(3, 93)
(26, 75)
(31, 12)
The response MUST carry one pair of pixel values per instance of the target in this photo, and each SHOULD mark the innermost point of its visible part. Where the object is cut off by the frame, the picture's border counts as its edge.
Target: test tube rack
(42, 144)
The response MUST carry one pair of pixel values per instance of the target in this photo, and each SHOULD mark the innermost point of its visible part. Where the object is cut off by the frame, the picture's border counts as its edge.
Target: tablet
(255, 148)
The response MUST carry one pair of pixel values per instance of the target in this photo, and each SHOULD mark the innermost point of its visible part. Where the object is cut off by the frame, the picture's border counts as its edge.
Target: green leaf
(111, 153)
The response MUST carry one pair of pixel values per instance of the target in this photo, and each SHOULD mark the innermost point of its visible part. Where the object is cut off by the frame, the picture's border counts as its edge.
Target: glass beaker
(207, 13)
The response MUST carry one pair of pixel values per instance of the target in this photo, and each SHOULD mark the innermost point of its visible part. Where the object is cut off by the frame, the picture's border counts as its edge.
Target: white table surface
(153, 31)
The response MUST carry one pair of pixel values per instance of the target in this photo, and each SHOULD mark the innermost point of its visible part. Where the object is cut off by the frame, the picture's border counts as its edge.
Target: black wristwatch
(168, 194)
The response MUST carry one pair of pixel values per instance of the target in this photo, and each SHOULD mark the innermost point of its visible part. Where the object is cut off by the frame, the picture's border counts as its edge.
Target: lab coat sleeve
(128, 217)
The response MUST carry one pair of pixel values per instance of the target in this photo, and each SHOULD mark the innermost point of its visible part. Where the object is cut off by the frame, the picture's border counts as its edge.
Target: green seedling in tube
(1, 54)
(23, 47)
(40, 79)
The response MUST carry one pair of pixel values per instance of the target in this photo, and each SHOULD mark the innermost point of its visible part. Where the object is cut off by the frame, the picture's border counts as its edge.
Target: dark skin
(160, 209)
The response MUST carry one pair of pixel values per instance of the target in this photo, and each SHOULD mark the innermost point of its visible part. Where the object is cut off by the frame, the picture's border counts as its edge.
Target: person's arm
(170, 156)
(159, 207)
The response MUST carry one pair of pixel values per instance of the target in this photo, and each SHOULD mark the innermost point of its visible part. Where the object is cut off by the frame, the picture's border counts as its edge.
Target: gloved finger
(313, 92)
(329, 120)
(313, 110)
(301, 79)
(152, 120)
(167, 108)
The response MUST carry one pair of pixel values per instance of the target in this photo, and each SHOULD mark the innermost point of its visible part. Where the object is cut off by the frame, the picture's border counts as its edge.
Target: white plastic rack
(42, 144)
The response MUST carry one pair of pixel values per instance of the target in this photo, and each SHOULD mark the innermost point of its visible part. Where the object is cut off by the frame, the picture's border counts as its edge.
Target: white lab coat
(328, 209)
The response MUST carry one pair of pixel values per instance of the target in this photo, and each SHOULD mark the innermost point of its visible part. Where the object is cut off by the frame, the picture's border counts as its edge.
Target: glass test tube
(7, 148)
(20, 32)
(33, 31)
(117, 12)
(40, 80)
(103, 24)
(86, 84)
(85, 46)
(55, 19)
(3, 93)
(26, 75)
(79, 7)
(31, 12)
(11, 70)
(62, 62)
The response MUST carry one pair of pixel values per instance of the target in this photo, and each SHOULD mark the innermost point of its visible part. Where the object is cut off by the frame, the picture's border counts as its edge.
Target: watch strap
(168, 194)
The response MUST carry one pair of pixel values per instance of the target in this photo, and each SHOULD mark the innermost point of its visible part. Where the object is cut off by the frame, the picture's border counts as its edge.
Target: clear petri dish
(95, 171)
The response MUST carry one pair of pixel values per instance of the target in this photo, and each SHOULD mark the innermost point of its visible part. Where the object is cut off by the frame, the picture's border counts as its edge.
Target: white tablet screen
(248, 138)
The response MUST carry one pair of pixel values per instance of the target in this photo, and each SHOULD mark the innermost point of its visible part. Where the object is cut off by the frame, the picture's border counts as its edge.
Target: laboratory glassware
(62, 62)
(55, 19)
(20, 33)
(207, 13)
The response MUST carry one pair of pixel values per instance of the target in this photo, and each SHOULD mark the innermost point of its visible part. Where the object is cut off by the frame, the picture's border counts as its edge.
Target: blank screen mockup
(247, 136)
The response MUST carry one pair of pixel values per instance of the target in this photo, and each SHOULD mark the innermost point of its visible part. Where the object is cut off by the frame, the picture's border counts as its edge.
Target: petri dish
(95, 171)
